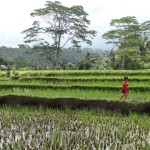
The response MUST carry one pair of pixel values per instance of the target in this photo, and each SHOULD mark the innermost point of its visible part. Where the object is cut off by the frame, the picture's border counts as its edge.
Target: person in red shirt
(124, 88)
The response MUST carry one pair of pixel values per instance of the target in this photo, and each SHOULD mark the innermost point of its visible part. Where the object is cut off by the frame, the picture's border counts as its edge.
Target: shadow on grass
(113, 106)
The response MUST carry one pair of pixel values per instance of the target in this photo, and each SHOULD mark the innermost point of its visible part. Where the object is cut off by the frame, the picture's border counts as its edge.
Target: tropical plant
(88, 61)
(126, 34)
(61, 25)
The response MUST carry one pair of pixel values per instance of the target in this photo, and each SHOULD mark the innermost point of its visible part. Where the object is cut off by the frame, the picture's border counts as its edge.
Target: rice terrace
(64, 109)
(73, 82)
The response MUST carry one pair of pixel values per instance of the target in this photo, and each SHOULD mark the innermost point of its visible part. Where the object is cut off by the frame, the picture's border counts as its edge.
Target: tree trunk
(113, 61)
(57, 58)
(123, 58)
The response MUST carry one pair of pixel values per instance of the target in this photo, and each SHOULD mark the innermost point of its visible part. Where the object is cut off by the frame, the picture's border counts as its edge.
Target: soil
(72, 103)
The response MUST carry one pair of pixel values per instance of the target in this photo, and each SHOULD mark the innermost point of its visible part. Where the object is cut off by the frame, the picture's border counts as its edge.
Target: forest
(129, 40)
(26, 59)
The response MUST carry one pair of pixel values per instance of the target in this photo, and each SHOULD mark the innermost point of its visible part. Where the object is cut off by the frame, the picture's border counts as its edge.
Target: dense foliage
(26, 58)
(130, 39)
(57, 22)
(130, 42)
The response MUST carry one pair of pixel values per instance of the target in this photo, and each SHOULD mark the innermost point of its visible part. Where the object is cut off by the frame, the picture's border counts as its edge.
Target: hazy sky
(15, 16)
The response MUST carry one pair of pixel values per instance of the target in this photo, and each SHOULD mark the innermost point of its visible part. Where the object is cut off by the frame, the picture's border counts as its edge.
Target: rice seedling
(41, 128)
(29, 128)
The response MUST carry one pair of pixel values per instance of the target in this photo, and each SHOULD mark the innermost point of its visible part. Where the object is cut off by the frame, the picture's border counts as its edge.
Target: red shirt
(125, 86)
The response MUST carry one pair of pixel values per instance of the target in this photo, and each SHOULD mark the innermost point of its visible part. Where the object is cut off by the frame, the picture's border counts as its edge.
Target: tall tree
(145, 41)
(126, 34)
(61, 25)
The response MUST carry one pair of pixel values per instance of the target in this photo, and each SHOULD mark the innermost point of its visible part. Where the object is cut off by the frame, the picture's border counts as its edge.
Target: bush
(25, 69)
(71, 66)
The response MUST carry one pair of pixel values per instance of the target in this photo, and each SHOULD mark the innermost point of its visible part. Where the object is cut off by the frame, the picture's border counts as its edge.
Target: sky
(15, 17)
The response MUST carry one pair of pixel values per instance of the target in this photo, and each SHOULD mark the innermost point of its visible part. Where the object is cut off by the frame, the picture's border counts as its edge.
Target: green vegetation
(24, 127)
(108, 123)
(59, 22)
(32, 128)
(103, 122)
(134, 96)
(77, 84)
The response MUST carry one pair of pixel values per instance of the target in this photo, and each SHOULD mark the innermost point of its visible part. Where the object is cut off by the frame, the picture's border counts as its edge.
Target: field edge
(74, 103)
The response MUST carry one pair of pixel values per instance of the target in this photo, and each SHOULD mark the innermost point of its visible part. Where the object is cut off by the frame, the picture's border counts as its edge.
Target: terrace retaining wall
(72, 103)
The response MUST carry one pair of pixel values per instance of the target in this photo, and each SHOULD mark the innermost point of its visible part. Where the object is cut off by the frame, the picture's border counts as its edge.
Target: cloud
(15, 16)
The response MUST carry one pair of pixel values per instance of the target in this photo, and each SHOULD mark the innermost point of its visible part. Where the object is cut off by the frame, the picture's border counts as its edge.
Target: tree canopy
(129, 35)
(58, 25)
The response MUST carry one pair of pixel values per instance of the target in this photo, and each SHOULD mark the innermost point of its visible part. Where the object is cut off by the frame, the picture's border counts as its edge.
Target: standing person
(124, 88)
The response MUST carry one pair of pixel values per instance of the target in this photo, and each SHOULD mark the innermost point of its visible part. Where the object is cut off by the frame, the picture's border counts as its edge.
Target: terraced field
(87, 85)
(86, 100)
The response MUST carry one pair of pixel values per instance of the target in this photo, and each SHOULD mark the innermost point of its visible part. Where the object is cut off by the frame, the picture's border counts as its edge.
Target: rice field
(79, 94)
(89, 85)
(70, 83)
(32, 128)
(41, 128)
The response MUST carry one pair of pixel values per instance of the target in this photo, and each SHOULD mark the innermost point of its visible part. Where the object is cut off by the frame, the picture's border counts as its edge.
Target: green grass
(80, 94)
(81, 87)
(80, 72)
(74, 129)
(70, 83)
